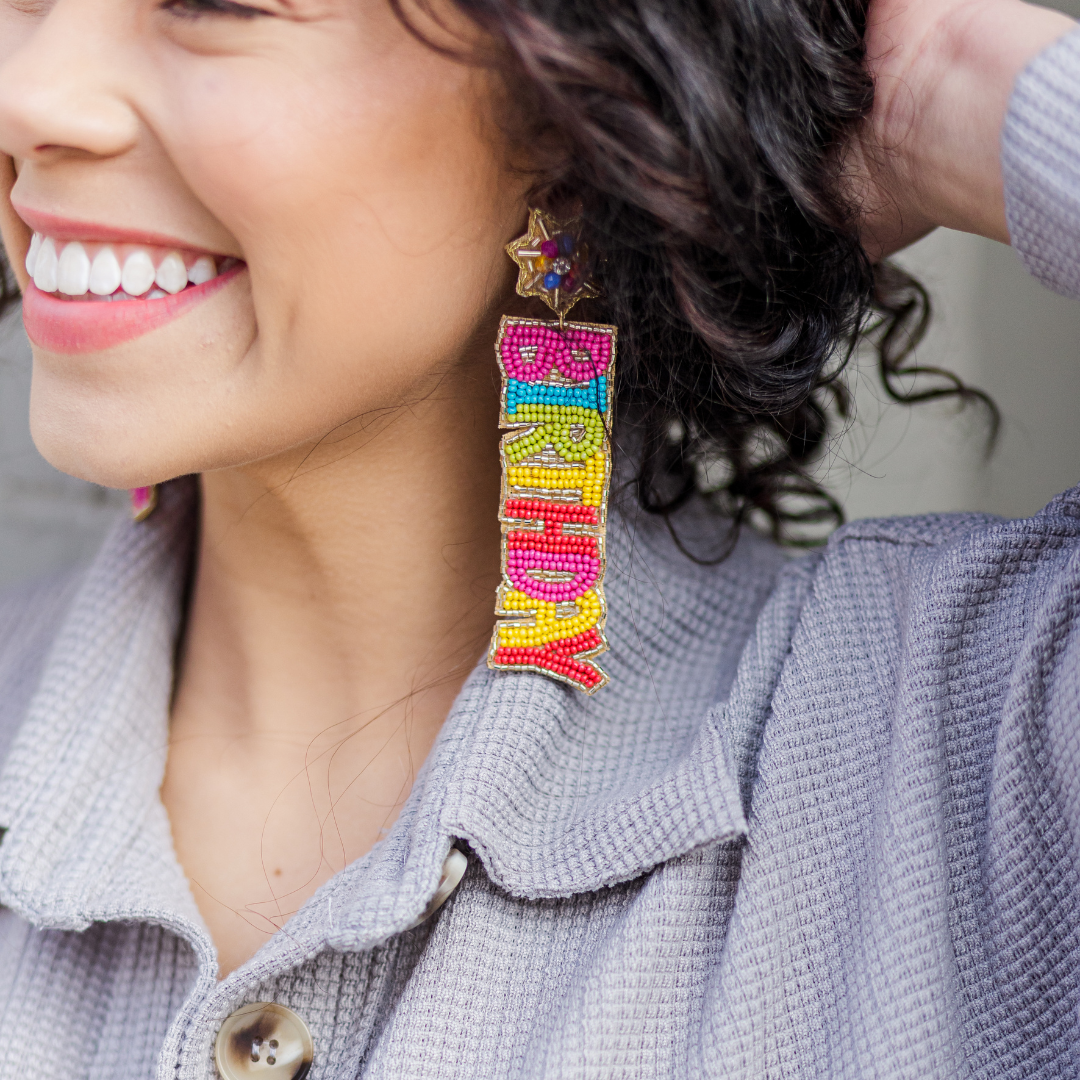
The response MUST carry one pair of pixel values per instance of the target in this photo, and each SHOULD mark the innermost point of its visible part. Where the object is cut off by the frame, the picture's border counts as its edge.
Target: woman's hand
(929, 154)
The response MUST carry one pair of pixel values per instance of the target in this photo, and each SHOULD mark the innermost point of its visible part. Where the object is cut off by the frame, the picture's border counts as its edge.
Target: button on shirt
(263, 1040)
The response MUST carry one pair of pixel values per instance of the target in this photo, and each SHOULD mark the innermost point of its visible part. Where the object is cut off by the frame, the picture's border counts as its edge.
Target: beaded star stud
(553, 263)
(557, 392)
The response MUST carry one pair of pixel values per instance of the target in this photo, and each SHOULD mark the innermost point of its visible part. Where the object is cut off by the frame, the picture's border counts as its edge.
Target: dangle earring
(143, 502)
(557, 392)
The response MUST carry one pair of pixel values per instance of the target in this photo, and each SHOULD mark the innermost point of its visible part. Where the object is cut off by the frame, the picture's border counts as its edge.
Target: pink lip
(61, 228)
(85, 326)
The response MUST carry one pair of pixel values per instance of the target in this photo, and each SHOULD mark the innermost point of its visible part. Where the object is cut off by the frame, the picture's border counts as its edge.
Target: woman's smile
(83, 270)
(90, 292)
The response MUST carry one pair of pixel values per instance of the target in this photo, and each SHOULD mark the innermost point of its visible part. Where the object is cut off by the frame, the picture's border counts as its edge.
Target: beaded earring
(557, 392)
(143, 502)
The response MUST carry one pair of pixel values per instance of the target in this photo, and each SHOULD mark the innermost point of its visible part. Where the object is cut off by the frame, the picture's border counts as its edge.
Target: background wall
(47, 519)
(995, 327)
(999, 330)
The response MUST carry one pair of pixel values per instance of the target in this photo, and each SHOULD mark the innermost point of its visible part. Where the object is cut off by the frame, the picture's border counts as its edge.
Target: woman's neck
(342, 594)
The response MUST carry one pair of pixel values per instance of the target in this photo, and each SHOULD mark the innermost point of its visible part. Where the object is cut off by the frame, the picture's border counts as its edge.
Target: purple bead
(549, 249)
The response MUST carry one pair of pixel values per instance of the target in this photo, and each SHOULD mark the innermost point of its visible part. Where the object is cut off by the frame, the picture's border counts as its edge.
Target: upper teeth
(76, 268)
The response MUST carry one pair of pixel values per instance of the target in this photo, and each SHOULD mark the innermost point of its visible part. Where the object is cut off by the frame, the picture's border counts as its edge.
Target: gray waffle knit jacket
(823, 823)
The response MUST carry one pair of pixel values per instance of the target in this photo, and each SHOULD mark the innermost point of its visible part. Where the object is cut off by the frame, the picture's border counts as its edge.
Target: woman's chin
(108, 437)
(112, 459)
(138, 412)
(128, 434)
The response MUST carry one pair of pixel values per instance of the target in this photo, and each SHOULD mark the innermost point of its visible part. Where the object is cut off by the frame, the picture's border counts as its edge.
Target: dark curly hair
(701, 142)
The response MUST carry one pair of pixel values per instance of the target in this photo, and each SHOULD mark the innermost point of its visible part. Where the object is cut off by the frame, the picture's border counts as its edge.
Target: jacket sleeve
(1040, 158)
(912, 806)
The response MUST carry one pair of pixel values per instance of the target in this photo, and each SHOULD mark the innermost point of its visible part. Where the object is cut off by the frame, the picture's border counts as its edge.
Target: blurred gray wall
(994, 326)
(47, 519)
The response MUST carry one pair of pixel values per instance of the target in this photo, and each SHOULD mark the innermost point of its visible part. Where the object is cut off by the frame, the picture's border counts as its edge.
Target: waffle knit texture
(822, 823)
(1040, 161)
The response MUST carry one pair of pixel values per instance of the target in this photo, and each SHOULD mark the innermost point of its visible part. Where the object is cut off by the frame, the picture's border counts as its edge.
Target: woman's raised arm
(930, 154)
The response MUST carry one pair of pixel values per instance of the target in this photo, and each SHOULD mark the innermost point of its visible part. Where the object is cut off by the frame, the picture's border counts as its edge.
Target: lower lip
(86, 326)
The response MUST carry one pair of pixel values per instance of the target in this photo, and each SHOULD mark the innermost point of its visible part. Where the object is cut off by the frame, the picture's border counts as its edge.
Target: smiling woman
(296, 140)
(266, 809)
(234, 211)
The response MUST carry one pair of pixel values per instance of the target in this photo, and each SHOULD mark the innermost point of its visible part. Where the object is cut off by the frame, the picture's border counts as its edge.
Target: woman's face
(345, 183)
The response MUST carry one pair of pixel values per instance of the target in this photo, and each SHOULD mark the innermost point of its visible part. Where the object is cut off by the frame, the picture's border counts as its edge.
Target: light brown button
(265, 1040)
(453, 870)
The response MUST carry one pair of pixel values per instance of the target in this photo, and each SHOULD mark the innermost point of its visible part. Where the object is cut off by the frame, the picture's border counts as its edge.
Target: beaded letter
(557, 390)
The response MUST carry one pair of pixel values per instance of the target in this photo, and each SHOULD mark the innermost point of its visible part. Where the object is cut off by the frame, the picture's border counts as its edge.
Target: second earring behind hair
(143, 501)
(557, 394)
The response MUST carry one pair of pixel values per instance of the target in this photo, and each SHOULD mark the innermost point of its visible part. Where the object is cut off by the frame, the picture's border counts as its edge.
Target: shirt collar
(87, 836)
(556, 792)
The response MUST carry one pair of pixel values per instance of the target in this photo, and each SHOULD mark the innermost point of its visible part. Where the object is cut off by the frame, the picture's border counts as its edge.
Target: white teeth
(138, 273)
(202, 270)
(73, 270)
(172, 275)
(31, 255)
(105, 272)
(46, 266)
